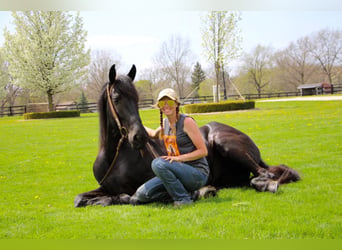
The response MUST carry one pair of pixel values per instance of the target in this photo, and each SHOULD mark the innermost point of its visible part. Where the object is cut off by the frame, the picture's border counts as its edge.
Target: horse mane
(102, 109)
(124, 86)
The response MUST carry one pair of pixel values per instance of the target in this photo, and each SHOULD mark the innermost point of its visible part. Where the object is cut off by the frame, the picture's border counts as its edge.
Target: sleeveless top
(183, 144)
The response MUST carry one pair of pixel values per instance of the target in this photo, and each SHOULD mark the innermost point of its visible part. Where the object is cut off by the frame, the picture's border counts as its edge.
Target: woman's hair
(161, 134)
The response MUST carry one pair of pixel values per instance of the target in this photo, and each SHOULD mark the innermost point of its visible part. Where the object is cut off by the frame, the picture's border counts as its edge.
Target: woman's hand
(171, 158)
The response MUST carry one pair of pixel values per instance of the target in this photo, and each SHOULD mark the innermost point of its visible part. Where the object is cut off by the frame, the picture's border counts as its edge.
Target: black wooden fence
(84, 108)
(12, 110)
(148, 103)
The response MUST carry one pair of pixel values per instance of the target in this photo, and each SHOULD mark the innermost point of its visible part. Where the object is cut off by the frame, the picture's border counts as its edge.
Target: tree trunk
(50, 101)
(217, 71)
(224, 84)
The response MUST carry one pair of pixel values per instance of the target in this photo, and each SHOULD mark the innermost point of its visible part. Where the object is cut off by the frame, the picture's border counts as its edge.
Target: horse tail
(283, 174)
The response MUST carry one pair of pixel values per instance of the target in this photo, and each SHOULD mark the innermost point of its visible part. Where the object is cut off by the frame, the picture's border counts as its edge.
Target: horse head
(123, 99)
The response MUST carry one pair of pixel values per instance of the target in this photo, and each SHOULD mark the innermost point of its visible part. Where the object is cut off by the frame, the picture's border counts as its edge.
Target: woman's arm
(153, 133)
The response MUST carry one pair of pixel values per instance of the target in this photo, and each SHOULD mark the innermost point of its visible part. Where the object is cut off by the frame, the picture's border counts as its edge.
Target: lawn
(44, 164)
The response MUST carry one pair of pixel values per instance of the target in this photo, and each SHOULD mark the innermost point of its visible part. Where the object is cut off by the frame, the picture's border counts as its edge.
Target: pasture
(44, 164)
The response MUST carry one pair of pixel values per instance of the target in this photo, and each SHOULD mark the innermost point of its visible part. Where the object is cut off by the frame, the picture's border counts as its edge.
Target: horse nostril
(139, 141)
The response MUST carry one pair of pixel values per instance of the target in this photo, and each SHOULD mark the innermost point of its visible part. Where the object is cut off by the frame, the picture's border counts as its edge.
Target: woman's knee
(157, 165)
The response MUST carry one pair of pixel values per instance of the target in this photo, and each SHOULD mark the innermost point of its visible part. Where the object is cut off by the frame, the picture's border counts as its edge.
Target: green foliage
(53, 114)
(218, 107)
(4, 79)
(47, 51)
(44, 164)
(83, 103)
(197, 77)
(206, 87)
(145, 89)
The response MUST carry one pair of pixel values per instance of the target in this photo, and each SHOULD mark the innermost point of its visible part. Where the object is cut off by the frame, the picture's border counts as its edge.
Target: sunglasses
(169, 103)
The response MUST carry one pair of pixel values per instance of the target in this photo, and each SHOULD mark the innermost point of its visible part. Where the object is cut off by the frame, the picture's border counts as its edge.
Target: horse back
(222, 135)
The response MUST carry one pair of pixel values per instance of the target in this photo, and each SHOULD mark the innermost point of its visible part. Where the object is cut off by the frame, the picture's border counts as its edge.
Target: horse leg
(99, 197)
(263, 180)
(204, 192)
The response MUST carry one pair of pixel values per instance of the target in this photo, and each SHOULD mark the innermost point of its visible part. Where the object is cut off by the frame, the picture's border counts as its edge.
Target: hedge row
(218, 107)
(53, 114)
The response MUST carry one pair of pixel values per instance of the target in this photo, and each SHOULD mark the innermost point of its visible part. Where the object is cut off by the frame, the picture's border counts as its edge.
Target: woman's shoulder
(189, 121)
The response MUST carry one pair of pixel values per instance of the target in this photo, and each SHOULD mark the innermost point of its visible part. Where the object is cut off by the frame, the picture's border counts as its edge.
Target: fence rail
(84, 108)
(148, 103)
(12, 110)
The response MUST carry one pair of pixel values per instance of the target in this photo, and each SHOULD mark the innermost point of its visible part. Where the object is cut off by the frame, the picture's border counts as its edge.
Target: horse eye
(116, 98)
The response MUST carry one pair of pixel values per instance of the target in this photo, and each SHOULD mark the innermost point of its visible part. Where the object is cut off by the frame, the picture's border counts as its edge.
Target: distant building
(315, 88)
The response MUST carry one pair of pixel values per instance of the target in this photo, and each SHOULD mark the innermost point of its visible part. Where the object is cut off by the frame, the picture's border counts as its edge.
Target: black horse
(125, 152)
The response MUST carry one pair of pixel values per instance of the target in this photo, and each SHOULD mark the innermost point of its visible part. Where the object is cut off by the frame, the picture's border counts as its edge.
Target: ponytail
(161, 134)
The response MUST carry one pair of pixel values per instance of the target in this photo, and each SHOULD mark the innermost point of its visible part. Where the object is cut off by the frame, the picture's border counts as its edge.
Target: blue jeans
(174, 180)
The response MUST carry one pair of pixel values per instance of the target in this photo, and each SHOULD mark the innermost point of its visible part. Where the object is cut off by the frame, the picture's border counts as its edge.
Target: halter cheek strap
(123, 132)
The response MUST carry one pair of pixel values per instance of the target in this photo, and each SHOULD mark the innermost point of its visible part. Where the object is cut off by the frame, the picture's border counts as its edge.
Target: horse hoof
(206, 192)
(273, 186)
(79, 202)
(124, 198)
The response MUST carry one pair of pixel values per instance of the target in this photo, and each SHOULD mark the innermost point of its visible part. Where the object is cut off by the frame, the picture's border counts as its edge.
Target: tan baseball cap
(170, 93)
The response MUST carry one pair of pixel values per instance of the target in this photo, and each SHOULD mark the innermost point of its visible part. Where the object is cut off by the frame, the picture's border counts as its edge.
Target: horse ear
(132, 72)
(112, 74)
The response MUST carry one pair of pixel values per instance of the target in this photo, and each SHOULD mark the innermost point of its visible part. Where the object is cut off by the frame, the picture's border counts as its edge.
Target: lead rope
(152, 151)
(123, 132)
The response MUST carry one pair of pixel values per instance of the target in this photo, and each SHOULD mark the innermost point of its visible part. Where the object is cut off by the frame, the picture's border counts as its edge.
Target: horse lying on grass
(126, 152)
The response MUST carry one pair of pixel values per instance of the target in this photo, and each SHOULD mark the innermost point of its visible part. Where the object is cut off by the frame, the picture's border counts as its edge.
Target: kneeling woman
(184, 169)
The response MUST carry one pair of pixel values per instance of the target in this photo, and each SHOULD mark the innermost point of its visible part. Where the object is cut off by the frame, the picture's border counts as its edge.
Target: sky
(136, 34)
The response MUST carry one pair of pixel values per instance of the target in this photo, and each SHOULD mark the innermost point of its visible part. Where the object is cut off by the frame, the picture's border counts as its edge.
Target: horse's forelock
(124, 86)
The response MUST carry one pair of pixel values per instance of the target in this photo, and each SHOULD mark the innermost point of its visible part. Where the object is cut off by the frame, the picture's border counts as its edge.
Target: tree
(172, 59)
(101, 61)
(197, 77)
(326, 47)
(47, 51)
(220, 40)
(8, 91)
(258, 66)
(145, 89)
(296, 63)
(83, 102)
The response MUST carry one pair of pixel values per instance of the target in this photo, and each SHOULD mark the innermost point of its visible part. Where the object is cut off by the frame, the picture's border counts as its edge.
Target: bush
(53, 114)
(218, 107)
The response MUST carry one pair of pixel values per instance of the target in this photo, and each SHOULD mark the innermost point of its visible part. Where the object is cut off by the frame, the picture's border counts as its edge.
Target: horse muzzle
(138, 140)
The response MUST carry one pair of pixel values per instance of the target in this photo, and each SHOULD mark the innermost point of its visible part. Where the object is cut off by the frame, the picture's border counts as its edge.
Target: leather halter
(123, 132)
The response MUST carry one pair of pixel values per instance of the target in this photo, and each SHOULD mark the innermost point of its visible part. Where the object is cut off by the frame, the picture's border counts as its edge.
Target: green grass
(44, 164)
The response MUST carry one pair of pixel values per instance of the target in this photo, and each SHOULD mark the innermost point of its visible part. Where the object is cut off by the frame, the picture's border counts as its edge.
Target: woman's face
(167, 106)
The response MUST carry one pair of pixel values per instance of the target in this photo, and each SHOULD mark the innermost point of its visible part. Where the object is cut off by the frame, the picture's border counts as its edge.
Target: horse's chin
(138, 145)
(138, 141)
